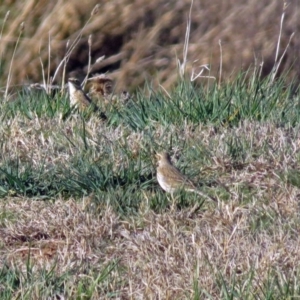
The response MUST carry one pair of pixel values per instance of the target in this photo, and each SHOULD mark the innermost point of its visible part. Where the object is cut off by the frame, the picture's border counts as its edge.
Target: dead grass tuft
(164, 255)
(141, 40)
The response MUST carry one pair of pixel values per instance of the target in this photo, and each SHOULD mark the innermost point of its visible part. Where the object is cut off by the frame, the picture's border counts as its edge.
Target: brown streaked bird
(170, 178)
(77, 95)
(102, 90)
(101, 87)
(80, 99)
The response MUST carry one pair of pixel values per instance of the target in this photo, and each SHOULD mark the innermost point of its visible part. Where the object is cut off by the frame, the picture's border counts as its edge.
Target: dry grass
(249, 236)
(141, 40)
(160, 255)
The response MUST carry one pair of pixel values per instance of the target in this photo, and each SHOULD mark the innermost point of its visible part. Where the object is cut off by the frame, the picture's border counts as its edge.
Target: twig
(64, 72)
(221, 63)
(75, 42)
(12, 60)
(89, 63)
(277, 63)
(182, 67)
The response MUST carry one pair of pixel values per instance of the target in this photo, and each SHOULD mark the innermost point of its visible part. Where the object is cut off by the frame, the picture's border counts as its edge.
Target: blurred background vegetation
(141, 39)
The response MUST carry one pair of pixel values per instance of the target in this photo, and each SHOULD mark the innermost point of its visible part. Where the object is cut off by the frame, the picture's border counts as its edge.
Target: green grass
(47, 283)
(86, 188)
(218, 108)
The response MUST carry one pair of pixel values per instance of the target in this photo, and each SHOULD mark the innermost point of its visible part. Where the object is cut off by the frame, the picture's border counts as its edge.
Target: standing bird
(79, 98)
(77, 95)
(170, 178)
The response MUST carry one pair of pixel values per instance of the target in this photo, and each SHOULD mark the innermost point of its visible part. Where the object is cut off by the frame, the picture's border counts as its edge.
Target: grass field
(83, 217)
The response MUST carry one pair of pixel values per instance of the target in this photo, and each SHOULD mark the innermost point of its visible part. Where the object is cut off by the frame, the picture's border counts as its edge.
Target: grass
(82, 215)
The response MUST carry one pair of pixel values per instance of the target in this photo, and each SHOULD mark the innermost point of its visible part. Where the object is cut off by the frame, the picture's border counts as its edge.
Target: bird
(102, 90)
(171, 179)
(77, 95)
(79, 98)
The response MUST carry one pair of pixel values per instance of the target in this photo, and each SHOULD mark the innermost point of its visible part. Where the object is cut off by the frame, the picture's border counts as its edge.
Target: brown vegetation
(141, 39)
(159, 255)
